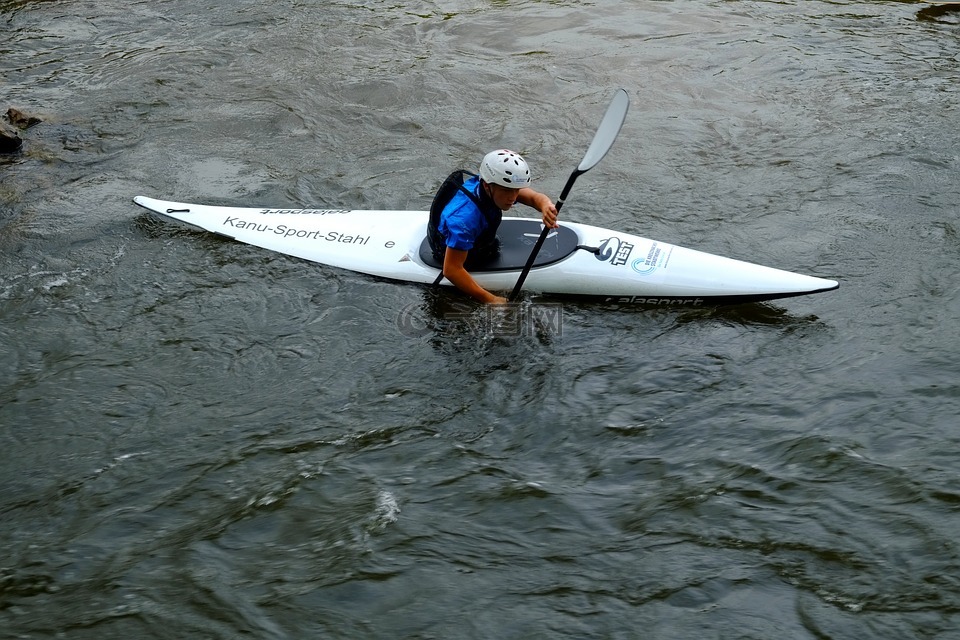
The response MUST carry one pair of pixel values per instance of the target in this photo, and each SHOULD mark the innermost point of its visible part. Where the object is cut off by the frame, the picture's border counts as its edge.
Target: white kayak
(577, 260)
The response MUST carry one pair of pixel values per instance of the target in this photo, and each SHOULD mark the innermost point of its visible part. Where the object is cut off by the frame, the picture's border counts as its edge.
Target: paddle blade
(607, 131)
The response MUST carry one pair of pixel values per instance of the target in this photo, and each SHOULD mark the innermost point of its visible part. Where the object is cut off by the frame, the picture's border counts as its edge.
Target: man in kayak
(467, 211)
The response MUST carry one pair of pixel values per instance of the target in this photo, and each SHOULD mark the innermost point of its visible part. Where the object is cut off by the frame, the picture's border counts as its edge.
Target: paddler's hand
(541, 203)
(549, 213)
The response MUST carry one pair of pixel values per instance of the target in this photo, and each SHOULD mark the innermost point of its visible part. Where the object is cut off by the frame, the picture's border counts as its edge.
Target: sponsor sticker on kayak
(292, 232)
(303, 212)
(618, 252)
(657, 258)
(615, 250)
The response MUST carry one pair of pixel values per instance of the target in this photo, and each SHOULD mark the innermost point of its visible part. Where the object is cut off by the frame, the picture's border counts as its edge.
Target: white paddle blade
(607, 131)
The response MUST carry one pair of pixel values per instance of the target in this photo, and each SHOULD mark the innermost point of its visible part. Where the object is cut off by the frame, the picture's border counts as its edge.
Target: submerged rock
(9, 139)
(20, 119)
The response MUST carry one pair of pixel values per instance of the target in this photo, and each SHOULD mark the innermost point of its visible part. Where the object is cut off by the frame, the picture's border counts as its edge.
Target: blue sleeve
(461, 226)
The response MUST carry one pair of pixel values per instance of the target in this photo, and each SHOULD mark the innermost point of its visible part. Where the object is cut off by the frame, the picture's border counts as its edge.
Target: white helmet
(505, 168)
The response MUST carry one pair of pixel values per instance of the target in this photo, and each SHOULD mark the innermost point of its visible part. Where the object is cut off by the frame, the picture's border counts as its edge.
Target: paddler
(467, 211)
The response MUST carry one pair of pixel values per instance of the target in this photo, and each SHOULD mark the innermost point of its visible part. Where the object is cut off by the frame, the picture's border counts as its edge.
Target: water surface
(203, 439)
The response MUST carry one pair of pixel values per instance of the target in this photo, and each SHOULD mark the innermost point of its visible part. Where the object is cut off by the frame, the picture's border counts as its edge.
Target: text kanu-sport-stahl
(576, 260)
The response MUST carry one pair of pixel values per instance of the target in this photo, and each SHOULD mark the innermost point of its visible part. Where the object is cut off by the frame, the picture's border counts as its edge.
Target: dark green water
(200, 439)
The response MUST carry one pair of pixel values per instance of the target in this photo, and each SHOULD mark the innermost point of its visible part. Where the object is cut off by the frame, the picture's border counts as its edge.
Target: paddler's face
(503, 197)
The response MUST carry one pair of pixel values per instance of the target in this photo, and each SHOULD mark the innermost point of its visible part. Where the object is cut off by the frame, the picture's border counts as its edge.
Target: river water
(201, 439)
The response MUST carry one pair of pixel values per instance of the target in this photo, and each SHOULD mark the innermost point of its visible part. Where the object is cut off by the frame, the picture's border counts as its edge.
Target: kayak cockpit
(517, 238)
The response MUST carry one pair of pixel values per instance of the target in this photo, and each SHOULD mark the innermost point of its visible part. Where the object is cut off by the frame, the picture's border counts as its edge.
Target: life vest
(486, 245)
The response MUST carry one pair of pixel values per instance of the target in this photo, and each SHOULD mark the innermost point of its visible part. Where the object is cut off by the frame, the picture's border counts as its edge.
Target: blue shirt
(461, 221)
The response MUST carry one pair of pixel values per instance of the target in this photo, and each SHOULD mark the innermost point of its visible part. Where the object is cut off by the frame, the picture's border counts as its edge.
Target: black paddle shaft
(543, 236)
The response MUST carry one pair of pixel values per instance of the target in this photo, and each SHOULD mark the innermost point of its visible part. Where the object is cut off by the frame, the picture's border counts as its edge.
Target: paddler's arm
(453, 270)
(541, 203)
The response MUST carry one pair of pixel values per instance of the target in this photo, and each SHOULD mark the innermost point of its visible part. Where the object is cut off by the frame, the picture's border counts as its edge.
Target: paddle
(602, 141)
